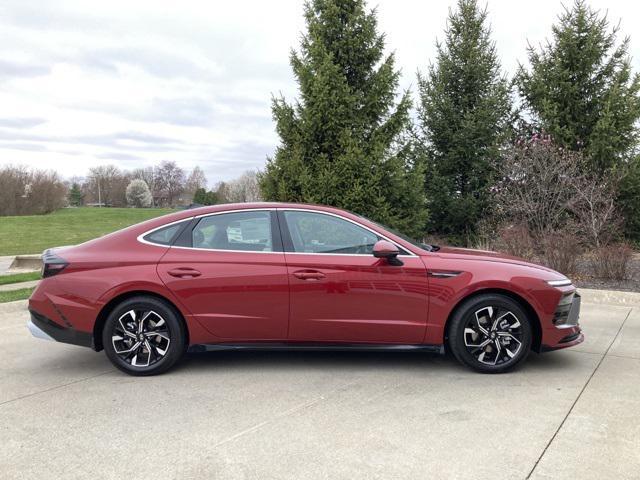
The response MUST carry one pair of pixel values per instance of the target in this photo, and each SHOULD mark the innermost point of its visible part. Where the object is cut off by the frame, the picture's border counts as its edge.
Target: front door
(340, 292)
(232, 276)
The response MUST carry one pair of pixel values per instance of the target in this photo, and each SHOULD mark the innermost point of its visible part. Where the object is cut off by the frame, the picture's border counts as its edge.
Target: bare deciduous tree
(242, 189)
(170, 180)
(593, 205)
(25, 192)
(197, 179)
(536, 187)
(107, 185)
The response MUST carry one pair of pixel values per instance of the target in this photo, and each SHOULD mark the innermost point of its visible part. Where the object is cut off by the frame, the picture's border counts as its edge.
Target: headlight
(566, 299)
(559, 283)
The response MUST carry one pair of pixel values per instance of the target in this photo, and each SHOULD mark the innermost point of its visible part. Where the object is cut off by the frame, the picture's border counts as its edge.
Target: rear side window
(242, 231)
(165, 235)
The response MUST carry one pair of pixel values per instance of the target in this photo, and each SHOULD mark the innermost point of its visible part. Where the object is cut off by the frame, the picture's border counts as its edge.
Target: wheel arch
(536, 326)
(115, 301)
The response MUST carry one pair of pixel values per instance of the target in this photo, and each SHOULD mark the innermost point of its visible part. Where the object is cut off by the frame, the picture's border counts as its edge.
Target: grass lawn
(13, 295)
(19, 277)
(68, 226)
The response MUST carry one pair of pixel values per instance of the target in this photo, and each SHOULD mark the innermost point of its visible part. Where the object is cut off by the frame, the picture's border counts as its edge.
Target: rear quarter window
(165, 235)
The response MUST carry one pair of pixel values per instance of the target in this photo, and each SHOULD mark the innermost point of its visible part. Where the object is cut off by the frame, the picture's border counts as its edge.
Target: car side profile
(276, 275)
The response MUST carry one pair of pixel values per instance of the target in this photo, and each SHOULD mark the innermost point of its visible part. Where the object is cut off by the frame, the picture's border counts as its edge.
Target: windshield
(412, 241)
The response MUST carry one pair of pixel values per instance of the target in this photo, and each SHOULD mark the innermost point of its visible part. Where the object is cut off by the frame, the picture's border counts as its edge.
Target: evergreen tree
(464, 118)
(629, 198)
(581, 90)
(76, 197)
(204, 197)
(341, 141)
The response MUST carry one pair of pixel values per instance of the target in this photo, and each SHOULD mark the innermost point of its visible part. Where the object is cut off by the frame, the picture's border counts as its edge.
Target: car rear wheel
(143, 336)
(490, 333)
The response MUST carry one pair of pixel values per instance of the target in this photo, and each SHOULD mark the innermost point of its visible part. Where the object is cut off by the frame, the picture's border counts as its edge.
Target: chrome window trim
(270, 209)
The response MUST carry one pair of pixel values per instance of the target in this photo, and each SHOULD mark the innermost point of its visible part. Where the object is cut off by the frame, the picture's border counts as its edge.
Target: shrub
(561, 251)
(516, 240)
(535, 188)
(26, 191)
(612, 261)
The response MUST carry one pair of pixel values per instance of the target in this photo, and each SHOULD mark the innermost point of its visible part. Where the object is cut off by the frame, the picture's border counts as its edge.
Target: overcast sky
(135, 82)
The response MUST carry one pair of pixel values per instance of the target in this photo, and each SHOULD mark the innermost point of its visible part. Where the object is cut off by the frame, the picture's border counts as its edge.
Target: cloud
(181, 111)
(155, 62)
(10, 69)
(127, 140)
(29, 147)
(119, 156)
(21, 122)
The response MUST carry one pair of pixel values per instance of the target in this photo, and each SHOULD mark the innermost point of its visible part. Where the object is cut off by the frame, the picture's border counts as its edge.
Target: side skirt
(316, 347)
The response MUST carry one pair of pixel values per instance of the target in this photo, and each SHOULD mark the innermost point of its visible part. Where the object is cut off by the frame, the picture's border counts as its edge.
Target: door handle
(309, 275)
(184, 272)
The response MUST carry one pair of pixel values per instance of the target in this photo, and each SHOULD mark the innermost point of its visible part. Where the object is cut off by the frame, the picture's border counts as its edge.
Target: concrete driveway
(66, 413)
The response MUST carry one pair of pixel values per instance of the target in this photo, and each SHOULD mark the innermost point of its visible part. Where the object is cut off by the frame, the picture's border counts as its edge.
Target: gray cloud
(155, 62)
(146, 142)
(26, 146)
(120, 156)
(21, 122)
(13, 69)
(181, 111)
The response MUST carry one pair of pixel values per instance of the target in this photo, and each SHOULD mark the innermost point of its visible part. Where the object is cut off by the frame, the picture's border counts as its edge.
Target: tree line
(473, 164)
(26, 191)
(163, 185)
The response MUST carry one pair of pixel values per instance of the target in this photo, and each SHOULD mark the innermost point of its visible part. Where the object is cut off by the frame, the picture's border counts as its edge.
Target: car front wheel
(143, 336)
(490, 333)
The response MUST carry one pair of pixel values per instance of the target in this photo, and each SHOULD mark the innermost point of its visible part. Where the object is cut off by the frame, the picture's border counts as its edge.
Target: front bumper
(566, 331)
(44, 328)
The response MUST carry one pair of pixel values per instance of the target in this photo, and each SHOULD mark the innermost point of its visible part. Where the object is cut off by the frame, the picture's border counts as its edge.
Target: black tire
(162, 332)
(495, 319)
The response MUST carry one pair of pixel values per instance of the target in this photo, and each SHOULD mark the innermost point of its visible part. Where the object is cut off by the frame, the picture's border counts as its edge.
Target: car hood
(487, 255)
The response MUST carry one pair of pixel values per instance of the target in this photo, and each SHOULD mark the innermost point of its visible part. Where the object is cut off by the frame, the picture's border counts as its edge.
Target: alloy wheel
(493, 335)
(141, 337)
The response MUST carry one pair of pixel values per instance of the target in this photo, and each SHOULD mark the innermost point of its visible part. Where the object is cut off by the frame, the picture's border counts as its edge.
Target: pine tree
(580, 88)
(76, 197)
(342, 140)
(464, 117)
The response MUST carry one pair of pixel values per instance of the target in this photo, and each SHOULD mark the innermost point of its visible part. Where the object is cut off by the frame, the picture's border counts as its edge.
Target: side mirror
(387, 250)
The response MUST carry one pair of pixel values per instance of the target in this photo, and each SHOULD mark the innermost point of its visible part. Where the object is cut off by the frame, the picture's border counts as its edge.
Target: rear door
(340, 292)
(229, 270)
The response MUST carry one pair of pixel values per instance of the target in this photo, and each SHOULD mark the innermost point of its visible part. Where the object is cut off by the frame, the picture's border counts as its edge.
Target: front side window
(320, 233)
(242, 231)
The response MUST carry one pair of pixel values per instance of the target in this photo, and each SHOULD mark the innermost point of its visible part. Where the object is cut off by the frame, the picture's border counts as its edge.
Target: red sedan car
(273, 275)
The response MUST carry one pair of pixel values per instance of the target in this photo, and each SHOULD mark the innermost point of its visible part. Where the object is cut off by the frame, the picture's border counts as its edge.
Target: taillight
(52, 264)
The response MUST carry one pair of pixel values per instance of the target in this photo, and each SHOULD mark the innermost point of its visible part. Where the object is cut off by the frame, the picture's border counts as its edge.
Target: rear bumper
(44, 328)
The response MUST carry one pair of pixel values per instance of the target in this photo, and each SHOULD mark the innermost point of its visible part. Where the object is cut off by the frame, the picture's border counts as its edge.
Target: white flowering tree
(138, 194)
